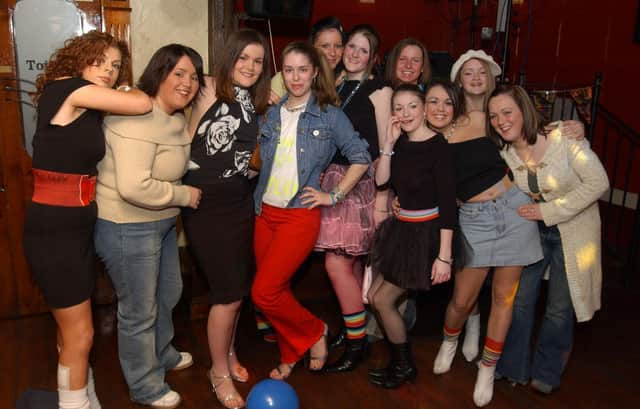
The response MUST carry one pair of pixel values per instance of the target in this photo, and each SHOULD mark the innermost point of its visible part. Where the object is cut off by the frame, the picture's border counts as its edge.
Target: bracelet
(382, 211)
(383, 153)
(124, 88)
(338, 194)
(445, 261)
(332, 195)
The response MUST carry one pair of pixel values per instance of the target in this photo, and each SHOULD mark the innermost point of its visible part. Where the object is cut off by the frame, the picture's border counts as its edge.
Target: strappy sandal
(282, 371)
(236, 370)
(216, 381)
(321, 359)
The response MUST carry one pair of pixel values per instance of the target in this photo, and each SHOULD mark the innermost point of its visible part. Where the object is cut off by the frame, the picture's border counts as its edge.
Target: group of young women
(338, 142)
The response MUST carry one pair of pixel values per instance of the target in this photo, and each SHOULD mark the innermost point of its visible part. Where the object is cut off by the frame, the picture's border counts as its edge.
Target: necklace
(449, 132)
(528, 161)
(295, 108)
(353, 92)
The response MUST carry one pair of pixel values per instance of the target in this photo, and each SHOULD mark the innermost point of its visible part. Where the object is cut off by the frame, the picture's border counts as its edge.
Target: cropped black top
(478, 166)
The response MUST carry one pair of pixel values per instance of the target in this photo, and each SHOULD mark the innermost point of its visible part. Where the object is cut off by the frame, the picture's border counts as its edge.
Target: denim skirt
(497, 236)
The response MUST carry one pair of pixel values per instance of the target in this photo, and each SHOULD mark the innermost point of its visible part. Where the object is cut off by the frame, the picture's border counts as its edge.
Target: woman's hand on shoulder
(273, 98)
(572, 129)
(207, 95)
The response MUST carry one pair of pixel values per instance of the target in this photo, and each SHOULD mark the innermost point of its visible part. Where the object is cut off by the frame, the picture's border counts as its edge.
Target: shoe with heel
(216, 381)
(238, 372)
(321, 359)
(282, 371)
(401, 369)
(355, 351)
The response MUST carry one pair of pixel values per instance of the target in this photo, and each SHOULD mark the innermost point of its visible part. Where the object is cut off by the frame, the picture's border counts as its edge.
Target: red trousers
(283, 239)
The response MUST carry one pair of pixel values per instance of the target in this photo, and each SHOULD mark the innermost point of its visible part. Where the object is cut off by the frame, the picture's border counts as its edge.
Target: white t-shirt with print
(283, 181)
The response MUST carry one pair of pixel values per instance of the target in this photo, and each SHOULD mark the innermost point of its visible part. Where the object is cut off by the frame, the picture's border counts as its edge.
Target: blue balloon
(272, 394)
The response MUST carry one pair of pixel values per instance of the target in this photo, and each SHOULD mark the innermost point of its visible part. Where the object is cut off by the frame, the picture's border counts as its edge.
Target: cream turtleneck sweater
(145, 159)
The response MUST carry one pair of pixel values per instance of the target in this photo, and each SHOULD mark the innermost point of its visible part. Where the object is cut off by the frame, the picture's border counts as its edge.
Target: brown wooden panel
(18, 293)
(117, 22)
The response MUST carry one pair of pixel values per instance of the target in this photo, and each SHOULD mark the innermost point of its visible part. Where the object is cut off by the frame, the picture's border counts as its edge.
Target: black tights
(384, 298)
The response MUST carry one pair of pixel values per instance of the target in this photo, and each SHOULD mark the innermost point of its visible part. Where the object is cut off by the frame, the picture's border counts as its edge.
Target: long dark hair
(234, 46)
(532, 122)
(163, 61)
(322, 86)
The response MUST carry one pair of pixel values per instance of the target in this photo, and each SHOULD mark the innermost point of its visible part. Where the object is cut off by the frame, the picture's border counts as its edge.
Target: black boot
(401, 368)
(338, 340)
(380, 373)
(354, 353)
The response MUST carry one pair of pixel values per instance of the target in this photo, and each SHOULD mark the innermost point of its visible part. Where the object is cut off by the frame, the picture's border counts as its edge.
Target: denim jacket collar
(311, 108)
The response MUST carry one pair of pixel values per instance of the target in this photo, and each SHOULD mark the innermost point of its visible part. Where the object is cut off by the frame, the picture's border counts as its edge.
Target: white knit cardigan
(571, 180)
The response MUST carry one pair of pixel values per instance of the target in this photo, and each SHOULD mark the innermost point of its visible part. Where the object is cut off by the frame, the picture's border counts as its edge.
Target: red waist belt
(63, 189)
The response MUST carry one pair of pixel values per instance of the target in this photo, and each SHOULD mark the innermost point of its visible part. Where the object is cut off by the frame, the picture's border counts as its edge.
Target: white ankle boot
(445, 356)
(471, 338)
(483, 391)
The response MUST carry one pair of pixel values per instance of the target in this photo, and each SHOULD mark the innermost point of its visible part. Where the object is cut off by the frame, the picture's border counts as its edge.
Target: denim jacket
(320, 134)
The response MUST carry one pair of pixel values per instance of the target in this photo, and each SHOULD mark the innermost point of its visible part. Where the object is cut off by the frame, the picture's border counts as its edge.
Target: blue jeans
(142, 261)
(556, 332)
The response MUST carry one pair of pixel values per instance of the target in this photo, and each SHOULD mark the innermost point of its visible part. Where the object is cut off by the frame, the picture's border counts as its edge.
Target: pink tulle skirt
(348, 227)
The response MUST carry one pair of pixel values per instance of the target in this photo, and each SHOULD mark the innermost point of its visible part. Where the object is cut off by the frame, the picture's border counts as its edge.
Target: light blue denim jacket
(320, 134)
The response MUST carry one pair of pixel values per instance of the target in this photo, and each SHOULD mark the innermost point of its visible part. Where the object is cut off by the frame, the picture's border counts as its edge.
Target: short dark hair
(163, 61)
(326, 23)
(532, 122)
(232, 50)
(392, 61)
(453, 92)
(410, 88)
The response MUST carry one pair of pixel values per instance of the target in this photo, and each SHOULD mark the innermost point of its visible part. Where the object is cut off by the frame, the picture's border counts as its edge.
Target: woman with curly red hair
(72, 94)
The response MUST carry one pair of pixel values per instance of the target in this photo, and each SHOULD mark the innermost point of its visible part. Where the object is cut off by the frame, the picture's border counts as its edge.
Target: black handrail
(625, 141)
(617, 144)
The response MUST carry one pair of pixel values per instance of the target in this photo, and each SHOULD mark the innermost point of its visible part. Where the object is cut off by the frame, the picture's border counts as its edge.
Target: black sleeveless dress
(220, 231)
(58, 241)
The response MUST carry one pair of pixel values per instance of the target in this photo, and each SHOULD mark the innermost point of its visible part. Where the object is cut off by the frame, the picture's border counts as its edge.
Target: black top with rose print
(224, 141)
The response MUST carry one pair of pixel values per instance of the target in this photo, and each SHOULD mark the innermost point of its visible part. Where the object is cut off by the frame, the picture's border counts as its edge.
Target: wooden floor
(600, 375)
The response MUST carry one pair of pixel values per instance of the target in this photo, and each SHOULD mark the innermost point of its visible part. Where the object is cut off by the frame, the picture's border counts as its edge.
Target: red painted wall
(570, 39)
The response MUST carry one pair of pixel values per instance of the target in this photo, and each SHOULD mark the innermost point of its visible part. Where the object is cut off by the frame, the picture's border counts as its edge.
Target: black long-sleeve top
(423, 176)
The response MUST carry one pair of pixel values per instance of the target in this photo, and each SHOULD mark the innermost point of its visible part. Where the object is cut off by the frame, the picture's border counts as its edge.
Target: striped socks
(491, 352)
(264, 327)
(450, 334)
(355, 324)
